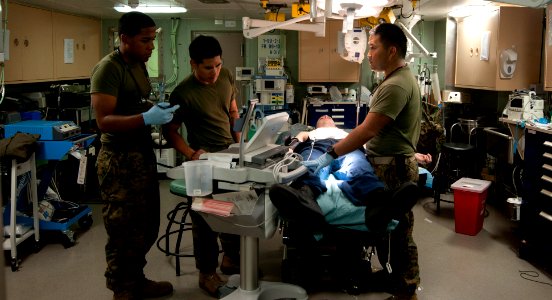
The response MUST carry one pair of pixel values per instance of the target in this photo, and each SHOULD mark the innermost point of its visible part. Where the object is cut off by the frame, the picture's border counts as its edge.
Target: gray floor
(453, 266)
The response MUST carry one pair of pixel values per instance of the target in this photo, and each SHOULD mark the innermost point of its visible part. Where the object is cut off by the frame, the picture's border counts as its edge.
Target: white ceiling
(234, 10)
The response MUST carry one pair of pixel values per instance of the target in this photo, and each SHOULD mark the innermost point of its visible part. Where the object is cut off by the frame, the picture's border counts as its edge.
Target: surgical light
(352, 9)
(362, 8)
(151, 9)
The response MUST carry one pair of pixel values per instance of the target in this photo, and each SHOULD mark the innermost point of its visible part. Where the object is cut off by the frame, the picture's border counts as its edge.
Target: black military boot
(383, 206)
(298, 205)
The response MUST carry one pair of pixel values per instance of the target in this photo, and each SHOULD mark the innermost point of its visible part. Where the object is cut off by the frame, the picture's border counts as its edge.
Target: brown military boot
(156, 289)
(229, 266)
(211, 283)
(124, 295)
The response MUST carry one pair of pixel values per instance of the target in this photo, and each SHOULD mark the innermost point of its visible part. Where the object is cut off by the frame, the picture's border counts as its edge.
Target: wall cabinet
(548, 50)
(82, 36)
(30, 45)
(37, 45)
(319, 60)
(489, 35)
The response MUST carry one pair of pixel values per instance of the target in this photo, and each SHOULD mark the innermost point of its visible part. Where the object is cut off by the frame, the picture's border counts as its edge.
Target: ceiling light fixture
(352, 9)
(363, 8)
(151, 9)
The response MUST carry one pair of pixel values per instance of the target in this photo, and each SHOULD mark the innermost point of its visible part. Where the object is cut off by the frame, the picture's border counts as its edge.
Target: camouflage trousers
(130, 193)
(394, 171)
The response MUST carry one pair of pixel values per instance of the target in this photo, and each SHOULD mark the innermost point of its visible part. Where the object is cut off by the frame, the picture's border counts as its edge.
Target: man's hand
(319, 163)
(197, 154)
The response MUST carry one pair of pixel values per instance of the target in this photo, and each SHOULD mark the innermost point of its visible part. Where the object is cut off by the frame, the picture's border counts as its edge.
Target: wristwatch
(331, 152)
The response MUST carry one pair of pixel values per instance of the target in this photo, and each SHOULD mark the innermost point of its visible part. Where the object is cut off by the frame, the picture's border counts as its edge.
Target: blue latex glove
(319, 163)
(159, 114)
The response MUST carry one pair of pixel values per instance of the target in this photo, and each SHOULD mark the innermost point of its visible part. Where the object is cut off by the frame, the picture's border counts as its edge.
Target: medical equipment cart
(58, 138)
(14, 239)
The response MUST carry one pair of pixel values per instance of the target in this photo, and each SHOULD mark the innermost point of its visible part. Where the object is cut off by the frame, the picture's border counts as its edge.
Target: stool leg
(171, 216)
(179, 239)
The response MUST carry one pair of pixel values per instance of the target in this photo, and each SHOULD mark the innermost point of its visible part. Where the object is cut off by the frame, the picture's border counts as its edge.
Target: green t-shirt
(205, 110)
(398, 97)
(130, 84)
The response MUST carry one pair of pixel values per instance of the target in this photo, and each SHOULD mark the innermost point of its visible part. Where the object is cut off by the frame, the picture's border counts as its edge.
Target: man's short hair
(131, 23)
(203, 47)
(391, 35)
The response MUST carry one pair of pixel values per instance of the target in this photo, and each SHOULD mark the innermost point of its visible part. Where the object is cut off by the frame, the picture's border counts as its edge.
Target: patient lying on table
(317, 199)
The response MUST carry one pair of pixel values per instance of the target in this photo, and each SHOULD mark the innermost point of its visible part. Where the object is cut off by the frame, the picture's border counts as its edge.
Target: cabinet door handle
(83, 46)
(471, 52)
(16, 42)
(77, 46)
(26, 43)
(476, 51)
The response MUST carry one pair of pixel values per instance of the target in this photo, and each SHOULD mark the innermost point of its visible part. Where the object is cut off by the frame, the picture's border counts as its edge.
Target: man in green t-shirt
(208, 110)
(390, 131)
(126, 164)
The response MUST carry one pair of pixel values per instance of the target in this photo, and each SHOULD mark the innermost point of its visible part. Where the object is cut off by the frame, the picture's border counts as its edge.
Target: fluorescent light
(151, 9)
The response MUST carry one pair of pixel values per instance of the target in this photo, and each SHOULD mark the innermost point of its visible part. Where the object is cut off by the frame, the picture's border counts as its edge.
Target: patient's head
(325, 121)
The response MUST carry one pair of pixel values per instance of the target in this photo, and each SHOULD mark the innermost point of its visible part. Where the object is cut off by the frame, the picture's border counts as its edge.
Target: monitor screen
(269, 84)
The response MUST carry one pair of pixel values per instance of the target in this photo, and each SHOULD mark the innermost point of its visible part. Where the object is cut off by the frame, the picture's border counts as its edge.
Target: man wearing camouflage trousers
(126, 165)
(391, 131)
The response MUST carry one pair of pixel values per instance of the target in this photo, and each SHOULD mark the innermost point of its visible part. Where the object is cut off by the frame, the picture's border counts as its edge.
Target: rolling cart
(58, 138)
(15, 238)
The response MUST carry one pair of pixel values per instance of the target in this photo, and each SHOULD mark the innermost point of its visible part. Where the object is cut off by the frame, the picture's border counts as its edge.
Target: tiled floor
(453, 266)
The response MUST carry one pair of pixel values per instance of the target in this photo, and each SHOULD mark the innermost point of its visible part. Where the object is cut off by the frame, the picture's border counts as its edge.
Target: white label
(82, 170)
(68, 51)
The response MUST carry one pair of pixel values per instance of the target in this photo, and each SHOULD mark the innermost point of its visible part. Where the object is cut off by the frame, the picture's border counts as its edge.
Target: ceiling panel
(234, 10)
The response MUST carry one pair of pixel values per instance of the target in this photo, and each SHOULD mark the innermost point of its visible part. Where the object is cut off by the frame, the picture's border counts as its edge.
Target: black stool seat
(457, 147)
(457, 161)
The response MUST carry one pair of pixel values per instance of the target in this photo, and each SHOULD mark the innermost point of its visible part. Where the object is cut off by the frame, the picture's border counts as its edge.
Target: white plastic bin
(199, 178)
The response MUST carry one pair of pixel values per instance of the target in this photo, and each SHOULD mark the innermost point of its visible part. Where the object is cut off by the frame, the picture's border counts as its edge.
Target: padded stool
(177, 187)
(457, 160)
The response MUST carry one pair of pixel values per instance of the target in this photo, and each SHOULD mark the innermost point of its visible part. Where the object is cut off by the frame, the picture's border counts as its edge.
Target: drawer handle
(340, 123)
(545, 215)
(338, 117)
(547, 167)
(547, 143)
(321, 110)
(546, 178)
(338, 109)
(547, 155)
(546, 192)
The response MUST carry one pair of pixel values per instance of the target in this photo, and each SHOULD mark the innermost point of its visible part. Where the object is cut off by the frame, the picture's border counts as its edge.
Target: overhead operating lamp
(347, 10)
(350, 10)
(159, 9)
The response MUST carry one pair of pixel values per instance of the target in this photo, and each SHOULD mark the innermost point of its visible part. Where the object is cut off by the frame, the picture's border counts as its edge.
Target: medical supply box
(469, 204)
